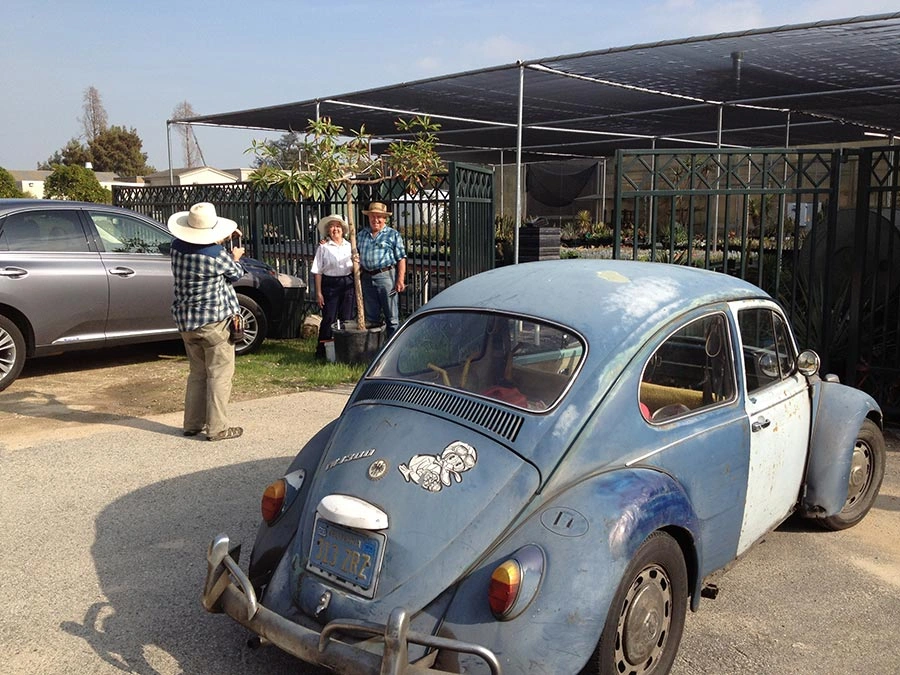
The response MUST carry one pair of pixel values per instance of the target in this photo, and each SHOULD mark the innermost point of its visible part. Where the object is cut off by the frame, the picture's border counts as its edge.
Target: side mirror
(808, 362)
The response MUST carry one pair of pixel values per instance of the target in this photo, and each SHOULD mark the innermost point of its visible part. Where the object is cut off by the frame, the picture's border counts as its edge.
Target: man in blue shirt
(203, 307)
(382, 262)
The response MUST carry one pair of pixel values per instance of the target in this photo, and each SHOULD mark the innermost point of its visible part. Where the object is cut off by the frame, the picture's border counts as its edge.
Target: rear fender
(588, 535)
(839, 412)
(272, 540)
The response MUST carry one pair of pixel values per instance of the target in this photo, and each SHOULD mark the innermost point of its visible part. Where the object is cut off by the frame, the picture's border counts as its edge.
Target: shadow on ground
(149, 554)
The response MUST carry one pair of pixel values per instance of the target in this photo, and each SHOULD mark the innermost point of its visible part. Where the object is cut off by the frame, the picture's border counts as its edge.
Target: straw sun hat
(377, 209)
(200, 225)
(324, 223)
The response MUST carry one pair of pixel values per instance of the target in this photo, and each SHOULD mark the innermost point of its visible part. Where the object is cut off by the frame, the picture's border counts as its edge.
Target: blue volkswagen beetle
(540, 469)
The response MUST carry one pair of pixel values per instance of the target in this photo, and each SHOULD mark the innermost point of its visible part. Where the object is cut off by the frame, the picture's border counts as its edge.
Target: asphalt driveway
(105, 527)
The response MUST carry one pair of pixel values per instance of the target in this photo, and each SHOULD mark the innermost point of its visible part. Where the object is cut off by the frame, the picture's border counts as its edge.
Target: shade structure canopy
(822, 83)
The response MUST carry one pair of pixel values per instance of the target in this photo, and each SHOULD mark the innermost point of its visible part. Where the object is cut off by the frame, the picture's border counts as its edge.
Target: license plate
(349, 555)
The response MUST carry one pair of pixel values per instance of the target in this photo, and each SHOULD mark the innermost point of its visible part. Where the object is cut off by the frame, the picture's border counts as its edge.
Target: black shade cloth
(558, 183)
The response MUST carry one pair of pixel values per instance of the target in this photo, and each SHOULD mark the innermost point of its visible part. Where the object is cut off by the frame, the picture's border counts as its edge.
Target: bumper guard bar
(227, 589)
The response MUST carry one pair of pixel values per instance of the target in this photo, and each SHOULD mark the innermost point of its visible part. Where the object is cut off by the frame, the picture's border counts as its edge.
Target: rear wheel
(12, 352)
(646, 618)
(866, 474)
(255, 326)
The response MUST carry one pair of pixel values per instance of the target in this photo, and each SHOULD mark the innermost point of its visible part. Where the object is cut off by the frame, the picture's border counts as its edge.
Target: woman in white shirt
(332, 268)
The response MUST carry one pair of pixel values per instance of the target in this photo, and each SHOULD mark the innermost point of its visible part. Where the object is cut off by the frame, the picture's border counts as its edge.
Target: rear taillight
(504, 588)
(515, 582)
(273, 500)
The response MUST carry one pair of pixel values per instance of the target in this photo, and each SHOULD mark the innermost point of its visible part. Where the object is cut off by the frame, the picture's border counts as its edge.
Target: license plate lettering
(348, 555)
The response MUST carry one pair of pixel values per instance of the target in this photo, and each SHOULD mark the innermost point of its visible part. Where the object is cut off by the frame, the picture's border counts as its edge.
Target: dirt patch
(101, 386)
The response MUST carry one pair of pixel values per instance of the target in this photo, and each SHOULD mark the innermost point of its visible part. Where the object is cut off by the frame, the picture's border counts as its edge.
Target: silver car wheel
(256, 326)
(12, 352)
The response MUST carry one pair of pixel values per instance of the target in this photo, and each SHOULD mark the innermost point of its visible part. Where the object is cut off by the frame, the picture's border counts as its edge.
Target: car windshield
(522, 362)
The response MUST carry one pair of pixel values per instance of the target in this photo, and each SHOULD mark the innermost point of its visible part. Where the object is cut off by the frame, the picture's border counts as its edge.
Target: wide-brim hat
(377, 209)
(324, 222)
(200, 225)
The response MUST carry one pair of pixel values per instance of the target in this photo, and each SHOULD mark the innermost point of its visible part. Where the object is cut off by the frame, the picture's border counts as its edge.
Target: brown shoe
(230, 432)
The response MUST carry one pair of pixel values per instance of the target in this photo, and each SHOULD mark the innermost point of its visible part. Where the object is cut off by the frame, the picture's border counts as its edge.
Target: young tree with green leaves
(327, 157)
(76, 183)
(8, 186)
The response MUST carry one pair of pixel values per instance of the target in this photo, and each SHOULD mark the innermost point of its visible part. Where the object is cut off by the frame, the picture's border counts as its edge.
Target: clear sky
(147, 56)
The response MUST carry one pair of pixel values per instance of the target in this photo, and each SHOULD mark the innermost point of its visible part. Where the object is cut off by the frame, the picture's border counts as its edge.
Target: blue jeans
(379, 301)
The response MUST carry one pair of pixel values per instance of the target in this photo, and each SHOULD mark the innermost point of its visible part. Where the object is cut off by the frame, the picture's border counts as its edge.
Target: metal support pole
(715, 241)
(169, 151)
(519, 165)
(502, 190)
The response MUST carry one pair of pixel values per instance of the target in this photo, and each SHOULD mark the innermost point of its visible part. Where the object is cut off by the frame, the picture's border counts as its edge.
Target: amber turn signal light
(273, 500)
(504, 588)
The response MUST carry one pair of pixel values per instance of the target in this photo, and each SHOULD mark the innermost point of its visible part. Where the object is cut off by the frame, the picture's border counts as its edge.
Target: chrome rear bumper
(227, 589)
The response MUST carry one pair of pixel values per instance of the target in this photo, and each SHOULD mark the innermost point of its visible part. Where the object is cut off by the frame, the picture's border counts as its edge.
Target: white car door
(778, 413)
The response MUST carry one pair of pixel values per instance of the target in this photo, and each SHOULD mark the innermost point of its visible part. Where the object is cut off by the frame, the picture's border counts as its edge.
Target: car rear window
(525, 363)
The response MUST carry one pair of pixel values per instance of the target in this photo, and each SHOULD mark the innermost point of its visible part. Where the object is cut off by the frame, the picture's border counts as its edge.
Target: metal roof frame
(827, 82)
(824, 83)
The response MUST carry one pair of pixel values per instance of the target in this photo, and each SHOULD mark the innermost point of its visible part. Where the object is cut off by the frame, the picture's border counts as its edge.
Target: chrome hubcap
(644, 622)
(860, 473)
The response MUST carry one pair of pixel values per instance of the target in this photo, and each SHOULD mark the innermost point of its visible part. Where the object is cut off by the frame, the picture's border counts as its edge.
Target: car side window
(45, 231)
(769, 354)
(691, 370)
(124, 234)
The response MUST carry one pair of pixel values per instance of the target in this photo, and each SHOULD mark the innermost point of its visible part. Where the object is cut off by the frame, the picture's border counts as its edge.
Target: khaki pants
(211, 358)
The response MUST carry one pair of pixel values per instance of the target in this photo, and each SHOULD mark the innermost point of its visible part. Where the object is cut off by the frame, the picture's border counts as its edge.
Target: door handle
(760, 424)
(122, 271)
(13, 272)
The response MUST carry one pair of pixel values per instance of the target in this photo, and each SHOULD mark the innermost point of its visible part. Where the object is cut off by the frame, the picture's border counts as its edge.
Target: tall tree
(193, 156)
(119, 150)
(73, 154)
(77, 183)
(287, 150)
(95, 120)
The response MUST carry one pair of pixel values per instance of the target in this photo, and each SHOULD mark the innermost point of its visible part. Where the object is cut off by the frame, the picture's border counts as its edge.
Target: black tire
(12, 352)
(866, 474)
(255, 326)
(646, 618)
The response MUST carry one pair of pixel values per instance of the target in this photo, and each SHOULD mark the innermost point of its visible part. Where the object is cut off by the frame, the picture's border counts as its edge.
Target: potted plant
(328, 158)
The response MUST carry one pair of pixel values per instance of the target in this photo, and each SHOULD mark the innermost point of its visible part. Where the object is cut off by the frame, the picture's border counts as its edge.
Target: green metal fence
(448, 229)
(816, 229)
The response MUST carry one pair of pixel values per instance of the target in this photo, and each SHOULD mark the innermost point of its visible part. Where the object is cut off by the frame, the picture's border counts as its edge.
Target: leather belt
(379, 270)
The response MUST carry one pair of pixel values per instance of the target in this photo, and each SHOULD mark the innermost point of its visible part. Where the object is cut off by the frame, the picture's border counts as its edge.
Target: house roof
(827, 82)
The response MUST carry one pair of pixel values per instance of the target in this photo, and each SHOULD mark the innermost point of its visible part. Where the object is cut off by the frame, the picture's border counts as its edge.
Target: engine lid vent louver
(498, 421)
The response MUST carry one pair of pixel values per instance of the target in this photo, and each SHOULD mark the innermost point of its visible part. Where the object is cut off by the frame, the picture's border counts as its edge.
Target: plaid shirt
(382, 251)
(202, 292)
